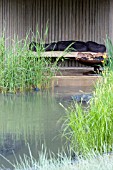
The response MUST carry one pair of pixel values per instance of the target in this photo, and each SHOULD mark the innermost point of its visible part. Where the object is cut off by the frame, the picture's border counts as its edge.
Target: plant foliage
(92, 127)
(22, 69)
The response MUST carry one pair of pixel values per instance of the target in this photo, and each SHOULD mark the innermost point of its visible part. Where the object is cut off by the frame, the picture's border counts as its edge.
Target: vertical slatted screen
(67, 19)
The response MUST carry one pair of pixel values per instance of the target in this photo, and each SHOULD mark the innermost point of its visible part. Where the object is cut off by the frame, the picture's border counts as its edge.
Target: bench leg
(98, 69)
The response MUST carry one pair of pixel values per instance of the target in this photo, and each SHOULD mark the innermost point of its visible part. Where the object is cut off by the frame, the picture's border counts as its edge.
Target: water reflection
(29, 118)
(34, 118)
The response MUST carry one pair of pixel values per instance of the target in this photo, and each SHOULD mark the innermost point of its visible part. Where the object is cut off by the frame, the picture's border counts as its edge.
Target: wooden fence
(67, 19)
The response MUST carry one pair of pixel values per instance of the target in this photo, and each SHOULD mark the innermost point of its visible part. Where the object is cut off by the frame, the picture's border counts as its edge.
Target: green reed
(22, 69)
(92, 127)
(109, 47)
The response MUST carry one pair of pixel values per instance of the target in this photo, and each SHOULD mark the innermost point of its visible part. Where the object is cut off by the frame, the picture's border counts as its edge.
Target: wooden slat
(67, 19)
(60, 81)
(61, 53)
(1, 18)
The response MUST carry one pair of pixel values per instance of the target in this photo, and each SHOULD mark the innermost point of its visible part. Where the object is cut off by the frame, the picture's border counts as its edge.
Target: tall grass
(94, 161)
(92, 127)
(109, 47)
(21, 69)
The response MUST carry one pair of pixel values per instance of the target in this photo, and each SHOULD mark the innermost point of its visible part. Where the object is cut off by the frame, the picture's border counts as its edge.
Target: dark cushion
(51, 47)
(32, 46)
(79, 46)
(63, 45)
(95, 47)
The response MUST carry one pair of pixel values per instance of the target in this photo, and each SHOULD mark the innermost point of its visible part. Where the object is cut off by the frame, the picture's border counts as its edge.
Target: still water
(33, 118)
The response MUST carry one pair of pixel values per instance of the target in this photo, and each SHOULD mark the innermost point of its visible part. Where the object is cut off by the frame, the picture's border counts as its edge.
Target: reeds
(92, 127)
(93, 161)
(22, 69)
(109, 47)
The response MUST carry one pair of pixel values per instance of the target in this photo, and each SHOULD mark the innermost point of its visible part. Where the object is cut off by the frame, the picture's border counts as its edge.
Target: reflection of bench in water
(76, 59)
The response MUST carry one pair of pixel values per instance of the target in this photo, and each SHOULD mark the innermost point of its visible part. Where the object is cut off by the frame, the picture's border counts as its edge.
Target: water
(34, 119)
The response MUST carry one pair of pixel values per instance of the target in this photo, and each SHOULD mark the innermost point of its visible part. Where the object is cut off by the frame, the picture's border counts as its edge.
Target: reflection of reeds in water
(29, 116)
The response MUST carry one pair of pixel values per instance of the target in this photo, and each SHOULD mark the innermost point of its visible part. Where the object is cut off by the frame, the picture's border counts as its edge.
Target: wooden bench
(69, 59)
(56, 54)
